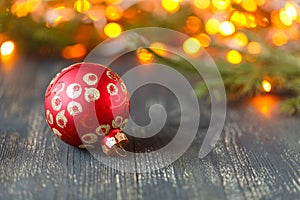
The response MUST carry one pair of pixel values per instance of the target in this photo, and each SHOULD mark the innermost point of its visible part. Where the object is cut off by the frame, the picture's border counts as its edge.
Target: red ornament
(87, 105)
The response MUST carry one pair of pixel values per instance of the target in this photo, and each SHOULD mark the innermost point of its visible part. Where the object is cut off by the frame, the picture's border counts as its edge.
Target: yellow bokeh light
(226, 28)
(112, 30)
(32, 5)
(234, 57)
(279, 38)
(202, 4)
(171, 6)
(240, 39)
(254, 48)
(238, 18)
(113, 13)
(204, 39)
(144, 56)
(113, 1)
(212, 26)
(266, 85)
(285, 18)
(82, 6)
(7, 48)
(291, 10)
(159, 48)
(249, 5)
(192, 24)
(260, 2)
(19, 9)
(250, 20)
(221, 4)
(191, 45)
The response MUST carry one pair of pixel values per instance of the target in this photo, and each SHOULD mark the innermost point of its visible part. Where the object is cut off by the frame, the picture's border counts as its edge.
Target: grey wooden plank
(256, 157)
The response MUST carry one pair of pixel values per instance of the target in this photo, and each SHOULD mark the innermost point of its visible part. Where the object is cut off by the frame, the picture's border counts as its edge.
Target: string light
(266, 85)
(7, 48)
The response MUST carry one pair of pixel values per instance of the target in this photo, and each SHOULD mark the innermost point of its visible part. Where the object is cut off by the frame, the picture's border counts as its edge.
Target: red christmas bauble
(87, 105)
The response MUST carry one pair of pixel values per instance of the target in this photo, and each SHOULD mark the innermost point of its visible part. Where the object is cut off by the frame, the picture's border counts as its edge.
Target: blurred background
(255, 43)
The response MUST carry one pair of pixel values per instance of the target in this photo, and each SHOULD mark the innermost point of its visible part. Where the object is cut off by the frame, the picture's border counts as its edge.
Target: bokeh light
(112, 30)
(171, 6)
(254, 48)
(144, 56)
(226, 28)
(234, 57)
(191, 46)
(159, 48)
(82, 6)
(113, 13)
(221, 4)
(7, 48)
(240, 39)
(192, 24)
(212, 26)
(249, 5)
(238, 18)
(74, 51)
(202, 4)
(279, 38)
(266, 85)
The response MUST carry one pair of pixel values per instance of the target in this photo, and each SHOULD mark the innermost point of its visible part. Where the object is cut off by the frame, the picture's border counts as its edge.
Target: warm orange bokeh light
(191, 46)
(113, 13)
(144, 56)
(7, 48)
(202, 4)
(279, 38)
(82, 6)
(171, 6)
(212, 26)
(234, 57)
(240, 39)
(249, 5)
(221, 4)
(254, 48)
(226, 28)
(159, 48)
(112, 30)
(204, 39)
(265, 104)
(74, 51)
(266, 85)
(192, 24)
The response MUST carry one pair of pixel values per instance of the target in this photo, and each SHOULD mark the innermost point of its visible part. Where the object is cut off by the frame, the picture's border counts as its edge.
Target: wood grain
(257, 156)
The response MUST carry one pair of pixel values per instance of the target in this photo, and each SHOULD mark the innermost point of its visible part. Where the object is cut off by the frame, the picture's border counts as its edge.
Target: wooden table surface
(257, 156)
